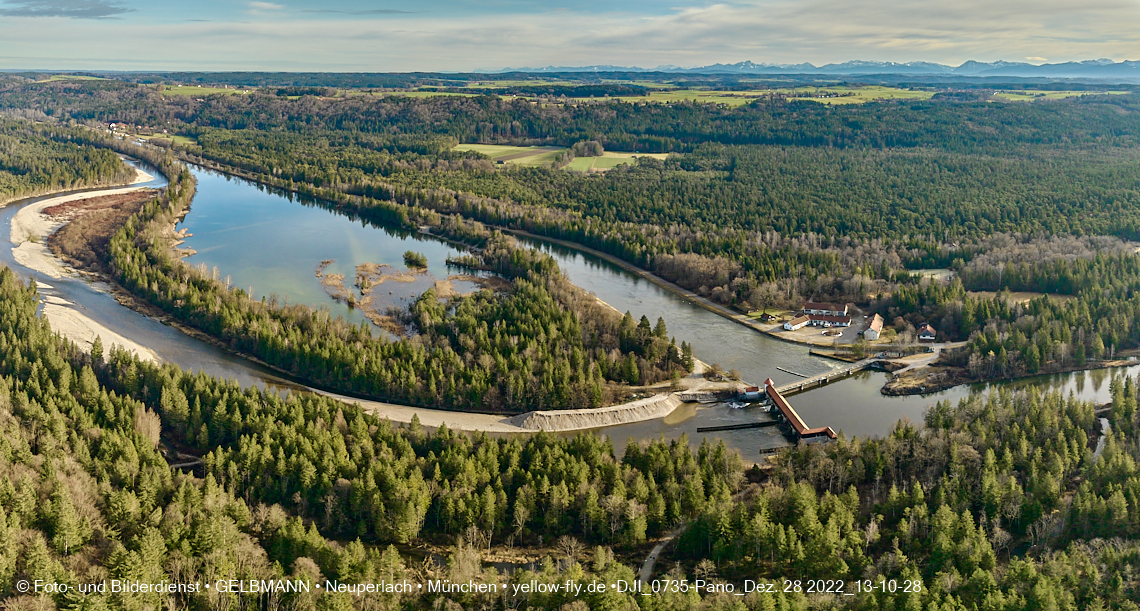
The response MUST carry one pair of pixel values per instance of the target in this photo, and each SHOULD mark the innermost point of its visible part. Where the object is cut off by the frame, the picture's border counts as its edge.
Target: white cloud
(74, 9)
(261, 8)
(819, 31)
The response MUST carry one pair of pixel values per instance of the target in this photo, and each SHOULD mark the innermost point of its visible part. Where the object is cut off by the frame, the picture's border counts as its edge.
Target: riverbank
(932, 378)
(31, 226)
(29, 232)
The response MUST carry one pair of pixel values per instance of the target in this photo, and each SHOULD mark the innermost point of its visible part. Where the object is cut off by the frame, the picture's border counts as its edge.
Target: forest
(1011, 500)
(39, 159)
(763, 205)
(996, 503)
(543, 345)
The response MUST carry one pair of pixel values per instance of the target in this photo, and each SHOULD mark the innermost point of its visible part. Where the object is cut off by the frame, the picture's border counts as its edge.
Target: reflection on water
(263, 239)
(168, 343)
(853, 405)
(274, 241)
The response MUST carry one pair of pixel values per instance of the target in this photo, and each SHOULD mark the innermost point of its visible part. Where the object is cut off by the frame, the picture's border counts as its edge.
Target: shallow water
(273, 242)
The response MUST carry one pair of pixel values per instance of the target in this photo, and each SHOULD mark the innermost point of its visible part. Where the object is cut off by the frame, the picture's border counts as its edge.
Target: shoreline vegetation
(82, 330)
(178, 184)
(902, 388)
(530, 274)
(1024, 498)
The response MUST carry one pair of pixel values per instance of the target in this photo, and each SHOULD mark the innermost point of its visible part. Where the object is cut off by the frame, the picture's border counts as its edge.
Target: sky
(462, 35)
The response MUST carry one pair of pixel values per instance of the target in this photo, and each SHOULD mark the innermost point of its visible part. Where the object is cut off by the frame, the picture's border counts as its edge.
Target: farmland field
(71, 77)
(607, 161)
(199, 90)
(533, 156)
(428, 94)
(1030, 95)
(825, 95)
(527, 156)
(855, 95)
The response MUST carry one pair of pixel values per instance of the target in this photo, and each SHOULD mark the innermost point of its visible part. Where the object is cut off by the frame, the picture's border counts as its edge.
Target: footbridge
(823, 378)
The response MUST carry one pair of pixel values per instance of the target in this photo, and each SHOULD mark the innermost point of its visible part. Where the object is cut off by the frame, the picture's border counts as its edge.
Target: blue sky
(406, 35)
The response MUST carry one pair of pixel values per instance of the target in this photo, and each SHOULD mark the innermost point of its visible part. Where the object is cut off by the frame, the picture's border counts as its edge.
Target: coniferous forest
(114, 467)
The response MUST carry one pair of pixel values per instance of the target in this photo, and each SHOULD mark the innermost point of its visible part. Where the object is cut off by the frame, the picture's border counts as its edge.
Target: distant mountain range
(1093, 68)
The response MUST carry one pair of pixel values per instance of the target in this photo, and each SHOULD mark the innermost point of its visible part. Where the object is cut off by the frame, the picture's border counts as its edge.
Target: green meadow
(535, 156)
(199, 90)
(1030, 95)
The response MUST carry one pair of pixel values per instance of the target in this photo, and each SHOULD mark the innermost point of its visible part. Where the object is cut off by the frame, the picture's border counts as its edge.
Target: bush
(415, 259)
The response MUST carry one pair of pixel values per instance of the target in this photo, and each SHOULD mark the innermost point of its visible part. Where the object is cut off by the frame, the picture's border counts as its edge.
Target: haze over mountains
(1093, 68)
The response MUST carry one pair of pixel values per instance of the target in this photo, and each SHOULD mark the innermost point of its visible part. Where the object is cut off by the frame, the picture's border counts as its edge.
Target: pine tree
(97, 350)
(69, 531)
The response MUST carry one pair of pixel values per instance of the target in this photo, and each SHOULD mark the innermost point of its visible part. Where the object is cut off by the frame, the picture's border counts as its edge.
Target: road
(1105, 429)
(647, 569)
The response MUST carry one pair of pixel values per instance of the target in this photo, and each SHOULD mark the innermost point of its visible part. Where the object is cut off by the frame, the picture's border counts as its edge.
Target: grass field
(855, 95)
(199, 90)
(526, 156)
(777, 312)
(428, 94)
(175, 139)
(730, 98)
(71, 77)
(607, 161)
(503, 84)
(534, 156)
(825, 95)
(1030, 95)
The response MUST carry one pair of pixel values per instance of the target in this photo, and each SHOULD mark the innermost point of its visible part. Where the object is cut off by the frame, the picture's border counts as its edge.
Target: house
(874, 329)
(820, 320)
(751, 393)
(797, 323)
(926, 333)
(766, 317)
(827, 309)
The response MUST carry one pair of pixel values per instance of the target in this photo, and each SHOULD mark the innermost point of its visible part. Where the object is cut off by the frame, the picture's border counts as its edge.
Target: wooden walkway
(824, 378)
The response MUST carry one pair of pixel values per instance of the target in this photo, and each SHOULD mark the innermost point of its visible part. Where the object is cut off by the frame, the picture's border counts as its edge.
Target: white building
(875, 329)
(797, 323)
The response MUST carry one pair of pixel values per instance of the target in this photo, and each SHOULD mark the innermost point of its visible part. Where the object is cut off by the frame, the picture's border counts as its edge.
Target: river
(94, 300)
(272, 243)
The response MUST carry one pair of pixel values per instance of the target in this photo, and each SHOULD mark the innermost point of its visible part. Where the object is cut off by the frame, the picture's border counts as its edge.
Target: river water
(94, 300)
(272, 243)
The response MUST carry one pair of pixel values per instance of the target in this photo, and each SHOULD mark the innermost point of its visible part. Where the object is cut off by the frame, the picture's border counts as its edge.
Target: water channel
(272, 243)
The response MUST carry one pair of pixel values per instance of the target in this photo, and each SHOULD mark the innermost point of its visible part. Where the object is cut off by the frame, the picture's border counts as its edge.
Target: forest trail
(646, 571)
(1105, 429)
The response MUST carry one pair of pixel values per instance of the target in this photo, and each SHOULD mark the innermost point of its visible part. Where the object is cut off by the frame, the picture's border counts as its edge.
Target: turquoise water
(273, 242)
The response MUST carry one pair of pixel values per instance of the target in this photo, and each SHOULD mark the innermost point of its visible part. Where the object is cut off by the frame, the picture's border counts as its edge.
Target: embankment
(651, 408)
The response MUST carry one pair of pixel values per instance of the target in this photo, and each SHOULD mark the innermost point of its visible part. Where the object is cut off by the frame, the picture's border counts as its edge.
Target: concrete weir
(657, 406)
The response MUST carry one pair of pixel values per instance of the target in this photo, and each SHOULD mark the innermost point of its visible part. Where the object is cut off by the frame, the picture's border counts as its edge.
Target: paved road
(1105, 429)
(647, 569)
